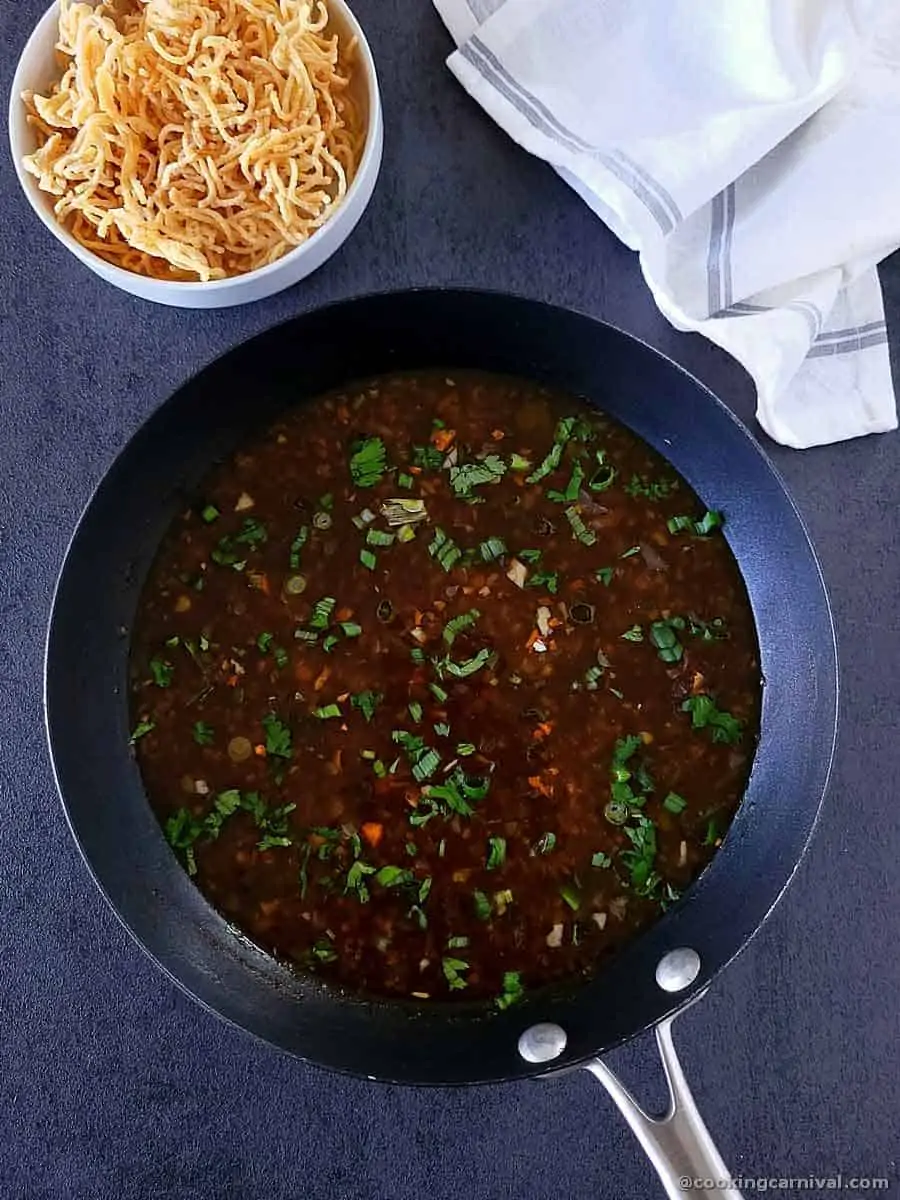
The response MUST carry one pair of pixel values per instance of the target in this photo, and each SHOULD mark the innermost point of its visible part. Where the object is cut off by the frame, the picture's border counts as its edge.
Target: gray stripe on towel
(842, 335)
(830, 349)
(652, 195)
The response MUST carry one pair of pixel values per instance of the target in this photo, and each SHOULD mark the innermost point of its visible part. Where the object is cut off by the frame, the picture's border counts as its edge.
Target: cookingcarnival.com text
(816, 1184)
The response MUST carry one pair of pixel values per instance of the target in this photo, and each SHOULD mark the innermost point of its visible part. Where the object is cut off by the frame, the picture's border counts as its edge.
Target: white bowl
(36, 72)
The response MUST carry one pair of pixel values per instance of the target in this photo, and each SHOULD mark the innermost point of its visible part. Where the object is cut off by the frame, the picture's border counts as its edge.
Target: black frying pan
(158, 473)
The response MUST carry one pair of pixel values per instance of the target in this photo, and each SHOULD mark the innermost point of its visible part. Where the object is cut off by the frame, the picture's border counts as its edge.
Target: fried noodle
(197, 139)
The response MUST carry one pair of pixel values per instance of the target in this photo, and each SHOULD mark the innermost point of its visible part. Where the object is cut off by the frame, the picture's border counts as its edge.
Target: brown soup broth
(446, 687)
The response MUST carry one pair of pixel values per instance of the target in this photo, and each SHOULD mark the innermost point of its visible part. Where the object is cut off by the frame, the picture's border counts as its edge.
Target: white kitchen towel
(749, 150)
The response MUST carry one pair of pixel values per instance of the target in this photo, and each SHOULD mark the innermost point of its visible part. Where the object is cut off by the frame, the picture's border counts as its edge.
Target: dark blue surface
(112, 1085)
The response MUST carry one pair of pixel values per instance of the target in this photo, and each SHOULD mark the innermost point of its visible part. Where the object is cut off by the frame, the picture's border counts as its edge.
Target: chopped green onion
(563, 434)
(482, 906)
(295, 585)
(457, 943)
(209, 514)
(605, 474)
(393, 876)
(404, 480)
(571, 895)
(452, 968)
(464, 749)
(350, 629)
(444, 549)
(600, 859)
(368, 559)
(327, 712)
(572, 487)
(426, 766)
(141, 730)
(630, 552)
(545, 843)
(512, 990)
(664, 637)
(592, 677)
(442, 729)
(586, 536)
(634, 634)
(364, 518)
(415, 710)
(710, 521)
(321, 613)
(605, 575)
(674, 803)
(492, 549)
(378, 537)
(438, 692)
(458, 624)
(496, 853)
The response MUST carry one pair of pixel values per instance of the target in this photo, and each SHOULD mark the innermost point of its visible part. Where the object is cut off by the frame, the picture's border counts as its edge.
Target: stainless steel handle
(678, 1144)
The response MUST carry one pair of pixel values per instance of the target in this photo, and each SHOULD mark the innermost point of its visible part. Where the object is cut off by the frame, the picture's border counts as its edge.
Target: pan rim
(511, 1020)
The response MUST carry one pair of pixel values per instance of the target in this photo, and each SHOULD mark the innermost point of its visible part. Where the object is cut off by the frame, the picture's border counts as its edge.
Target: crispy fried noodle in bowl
(198, 153)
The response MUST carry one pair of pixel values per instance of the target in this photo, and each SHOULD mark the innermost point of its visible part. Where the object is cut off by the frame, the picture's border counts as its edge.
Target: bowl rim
(122, 278)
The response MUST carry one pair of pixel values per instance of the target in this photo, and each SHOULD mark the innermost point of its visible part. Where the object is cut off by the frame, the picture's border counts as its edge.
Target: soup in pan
(446, 687)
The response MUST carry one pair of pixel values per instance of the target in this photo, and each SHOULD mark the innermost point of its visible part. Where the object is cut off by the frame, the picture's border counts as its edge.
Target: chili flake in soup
(446, 687)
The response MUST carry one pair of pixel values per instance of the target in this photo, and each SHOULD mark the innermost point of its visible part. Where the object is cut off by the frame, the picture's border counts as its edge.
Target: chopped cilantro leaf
(544, 579)
(705, 715)
(512, 990)
(162, 672)
(467, 476)
(278, 737)
(203, 733)
(366, 702)
(368, 462)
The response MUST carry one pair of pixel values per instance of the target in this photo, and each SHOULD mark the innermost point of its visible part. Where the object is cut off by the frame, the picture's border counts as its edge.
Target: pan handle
(678, 1144)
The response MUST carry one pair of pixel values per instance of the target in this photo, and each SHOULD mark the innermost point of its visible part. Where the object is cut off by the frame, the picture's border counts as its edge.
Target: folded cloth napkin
(747, 149)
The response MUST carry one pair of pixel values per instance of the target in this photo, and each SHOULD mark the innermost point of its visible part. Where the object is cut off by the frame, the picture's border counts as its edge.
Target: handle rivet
(542, 1042)
(678, 969)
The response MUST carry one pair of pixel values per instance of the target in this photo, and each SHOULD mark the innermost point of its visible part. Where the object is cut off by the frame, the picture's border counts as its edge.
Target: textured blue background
(113, 1085)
